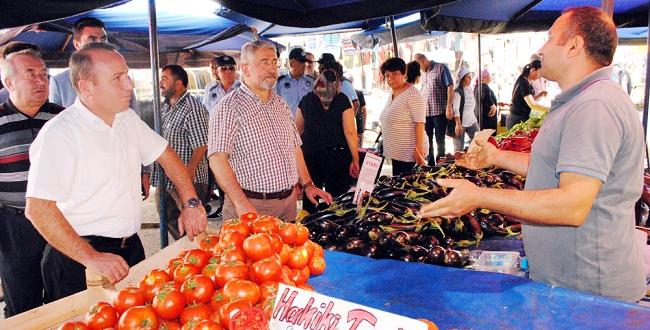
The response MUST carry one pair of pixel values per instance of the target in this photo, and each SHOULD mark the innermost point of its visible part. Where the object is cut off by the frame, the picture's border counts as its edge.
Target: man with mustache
(21, 247)
(253, 145)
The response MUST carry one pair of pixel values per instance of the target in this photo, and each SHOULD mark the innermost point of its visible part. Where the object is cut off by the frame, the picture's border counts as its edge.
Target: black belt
(274, 195)
(109, 241)
(12, 209)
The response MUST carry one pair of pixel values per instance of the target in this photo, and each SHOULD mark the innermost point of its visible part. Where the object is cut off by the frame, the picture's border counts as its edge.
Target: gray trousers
(459, 142)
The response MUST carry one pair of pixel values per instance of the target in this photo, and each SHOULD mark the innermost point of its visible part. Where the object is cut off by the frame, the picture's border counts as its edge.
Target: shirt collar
(601, 74)
(234, 85)
(11, 107)
(91, 119)
(180, 100)
(244, 88)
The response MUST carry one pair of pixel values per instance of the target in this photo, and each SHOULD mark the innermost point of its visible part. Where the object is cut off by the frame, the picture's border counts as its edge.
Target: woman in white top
(469, 123)
(402, 120)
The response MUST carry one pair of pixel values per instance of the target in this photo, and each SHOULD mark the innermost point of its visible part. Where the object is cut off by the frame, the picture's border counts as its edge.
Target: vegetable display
(387, 224)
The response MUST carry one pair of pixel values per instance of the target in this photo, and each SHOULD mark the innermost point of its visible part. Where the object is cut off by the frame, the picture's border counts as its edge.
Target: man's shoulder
(282, 77)
(62, 76)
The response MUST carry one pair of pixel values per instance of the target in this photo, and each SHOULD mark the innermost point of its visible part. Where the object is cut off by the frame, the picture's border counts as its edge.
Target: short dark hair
(178, 73)
(81, 63)
(393, 64)
(17, 46)
(412, 72)
(598, 31)
(86, 22)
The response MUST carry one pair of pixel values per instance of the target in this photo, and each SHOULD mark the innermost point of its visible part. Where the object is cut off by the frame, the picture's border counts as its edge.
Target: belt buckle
(123, 243)
(264, 195)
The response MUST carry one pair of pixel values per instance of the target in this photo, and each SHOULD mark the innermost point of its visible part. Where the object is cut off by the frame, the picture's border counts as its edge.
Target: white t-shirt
(469, 116)
(398, 124)
(92, 170)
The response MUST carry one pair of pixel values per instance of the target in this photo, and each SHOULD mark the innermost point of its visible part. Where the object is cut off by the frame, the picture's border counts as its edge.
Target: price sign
(366, 181)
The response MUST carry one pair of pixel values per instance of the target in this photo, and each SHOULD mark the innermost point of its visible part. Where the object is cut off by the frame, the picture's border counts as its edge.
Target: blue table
(457, 298)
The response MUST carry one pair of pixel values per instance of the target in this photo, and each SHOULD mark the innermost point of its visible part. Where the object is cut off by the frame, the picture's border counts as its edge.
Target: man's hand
(462, 200)
(192, 221)
(112, 266)
(354, 168)
(449, 112)
(313, 193)
(483, 158)
(146, 185)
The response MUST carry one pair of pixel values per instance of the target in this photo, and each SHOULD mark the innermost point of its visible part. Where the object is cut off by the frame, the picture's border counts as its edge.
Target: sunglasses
(228, 67)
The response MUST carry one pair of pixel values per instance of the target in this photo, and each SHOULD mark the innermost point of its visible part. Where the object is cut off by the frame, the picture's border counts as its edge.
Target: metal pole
(153, 53)
(479, 85)
(608, 7)
(393, 35)
(646, 101)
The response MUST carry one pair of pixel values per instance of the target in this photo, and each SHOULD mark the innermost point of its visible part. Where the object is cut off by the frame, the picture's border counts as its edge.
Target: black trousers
(21, 250)
(436, 126)
(63, 276)
(329, 169)
(401, 167)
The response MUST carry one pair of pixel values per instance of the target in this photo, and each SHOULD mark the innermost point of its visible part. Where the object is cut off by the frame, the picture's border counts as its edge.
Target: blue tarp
(465, 299)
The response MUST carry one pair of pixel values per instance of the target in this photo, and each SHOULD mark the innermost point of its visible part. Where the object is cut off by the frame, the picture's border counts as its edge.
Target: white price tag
(366, 181)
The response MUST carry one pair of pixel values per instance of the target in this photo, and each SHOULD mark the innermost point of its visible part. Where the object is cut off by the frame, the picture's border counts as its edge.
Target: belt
(12, 209)
(109, 241)
(274, 195)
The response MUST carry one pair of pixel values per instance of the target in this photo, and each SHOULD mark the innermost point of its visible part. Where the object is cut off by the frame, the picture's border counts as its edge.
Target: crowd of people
(73, 179)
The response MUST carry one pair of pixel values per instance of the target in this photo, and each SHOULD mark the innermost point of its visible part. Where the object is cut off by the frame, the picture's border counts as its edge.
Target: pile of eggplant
(387, 225)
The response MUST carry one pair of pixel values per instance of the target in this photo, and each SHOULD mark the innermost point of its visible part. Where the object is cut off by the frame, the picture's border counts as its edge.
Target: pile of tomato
(229, 282)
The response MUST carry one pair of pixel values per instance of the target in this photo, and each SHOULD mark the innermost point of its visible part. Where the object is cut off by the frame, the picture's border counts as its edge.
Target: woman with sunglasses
(326, 123)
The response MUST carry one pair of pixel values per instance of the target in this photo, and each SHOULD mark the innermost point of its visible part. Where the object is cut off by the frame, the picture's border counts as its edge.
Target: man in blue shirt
(295, 84)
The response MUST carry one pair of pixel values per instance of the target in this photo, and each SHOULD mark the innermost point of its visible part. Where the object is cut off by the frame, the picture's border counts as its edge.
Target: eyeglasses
(227, 67)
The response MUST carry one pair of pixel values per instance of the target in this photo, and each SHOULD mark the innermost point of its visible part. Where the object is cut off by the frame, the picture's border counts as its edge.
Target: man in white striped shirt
(253, 145)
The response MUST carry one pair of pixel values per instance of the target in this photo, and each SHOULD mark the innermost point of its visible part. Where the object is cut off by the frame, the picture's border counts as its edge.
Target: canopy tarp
(521, 15)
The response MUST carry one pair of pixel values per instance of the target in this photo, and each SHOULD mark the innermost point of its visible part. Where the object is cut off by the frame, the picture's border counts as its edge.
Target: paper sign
(483, 136)
(366, 181)
(300, 309)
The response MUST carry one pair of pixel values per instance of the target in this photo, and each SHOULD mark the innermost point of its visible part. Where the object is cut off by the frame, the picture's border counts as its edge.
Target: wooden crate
(75, 306)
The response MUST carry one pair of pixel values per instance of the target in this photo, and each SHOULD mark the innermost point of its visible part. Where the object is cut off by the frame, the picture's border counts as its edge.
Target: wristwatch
(192, 203)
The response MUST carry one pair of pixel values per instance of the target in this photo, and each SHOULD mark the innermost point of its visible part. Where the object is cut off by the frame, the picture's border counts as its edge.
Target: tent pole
(608, 7)
(479, 86)
(153, 53)
(646, 101)
(393, 35)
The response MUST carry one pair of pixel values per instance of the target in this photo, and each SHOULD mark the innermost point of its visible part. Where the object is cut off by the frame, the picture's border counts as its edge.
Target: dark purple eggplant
(385, 180)
(509, 221)
(428, 242)
(387, 194)
(345, 198)
(414, 205)
(385, 239)
(324, 215)
(355, 245)
(327, 226)
(491, 230)
(405, 239)
(419, 252)
(456, 258)
(472, 227)
(377, 218)
(448, 242)
(325, 238)
(408, 257)
(372, 251)
(436, 255)
(373, 233)
(496, 219)
(475, 180)
(344, 233)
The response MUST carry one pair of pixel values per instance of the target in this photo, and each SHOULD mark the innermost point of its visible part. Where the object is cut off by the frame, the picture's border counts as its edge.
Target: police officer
(224, 70)
(295, 84)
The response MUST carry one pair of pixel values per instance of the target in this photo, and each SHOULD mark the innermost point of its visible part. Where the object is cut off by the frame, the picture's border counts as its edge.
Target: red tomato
(284, 253)
(168, 285)
(127, 298)
(101, 315)
(277, 242)
(73, 326)
(318, 250)
(206, 325)
(215, 317)
(249, 319)
(138, 317)
(309, 245)
(299, 276)
(210, 271)
(288, 232)
(169, 325)
(303, 235)
(285, 275)
(265, 225)
(228, 310)
(316, 265)
(218, 300)
(258, 246)
(184, 271)
(151, 281)
(208, 242)
(267, 307)
(198, 289)
(229, 270)
(265, 270)
(197, 257)
(233, 253)
(298, 257)
(231, 238)
(168, 303)
(306, 286)
(172, 265)
(235, 225)
(195, 313)
(248, 217)
(242, 289)
(268, 289)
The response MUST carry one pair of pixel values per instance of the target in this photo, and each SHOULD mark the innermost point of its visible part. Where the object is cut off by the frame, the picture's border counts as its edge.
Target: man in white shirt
(82, 192)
